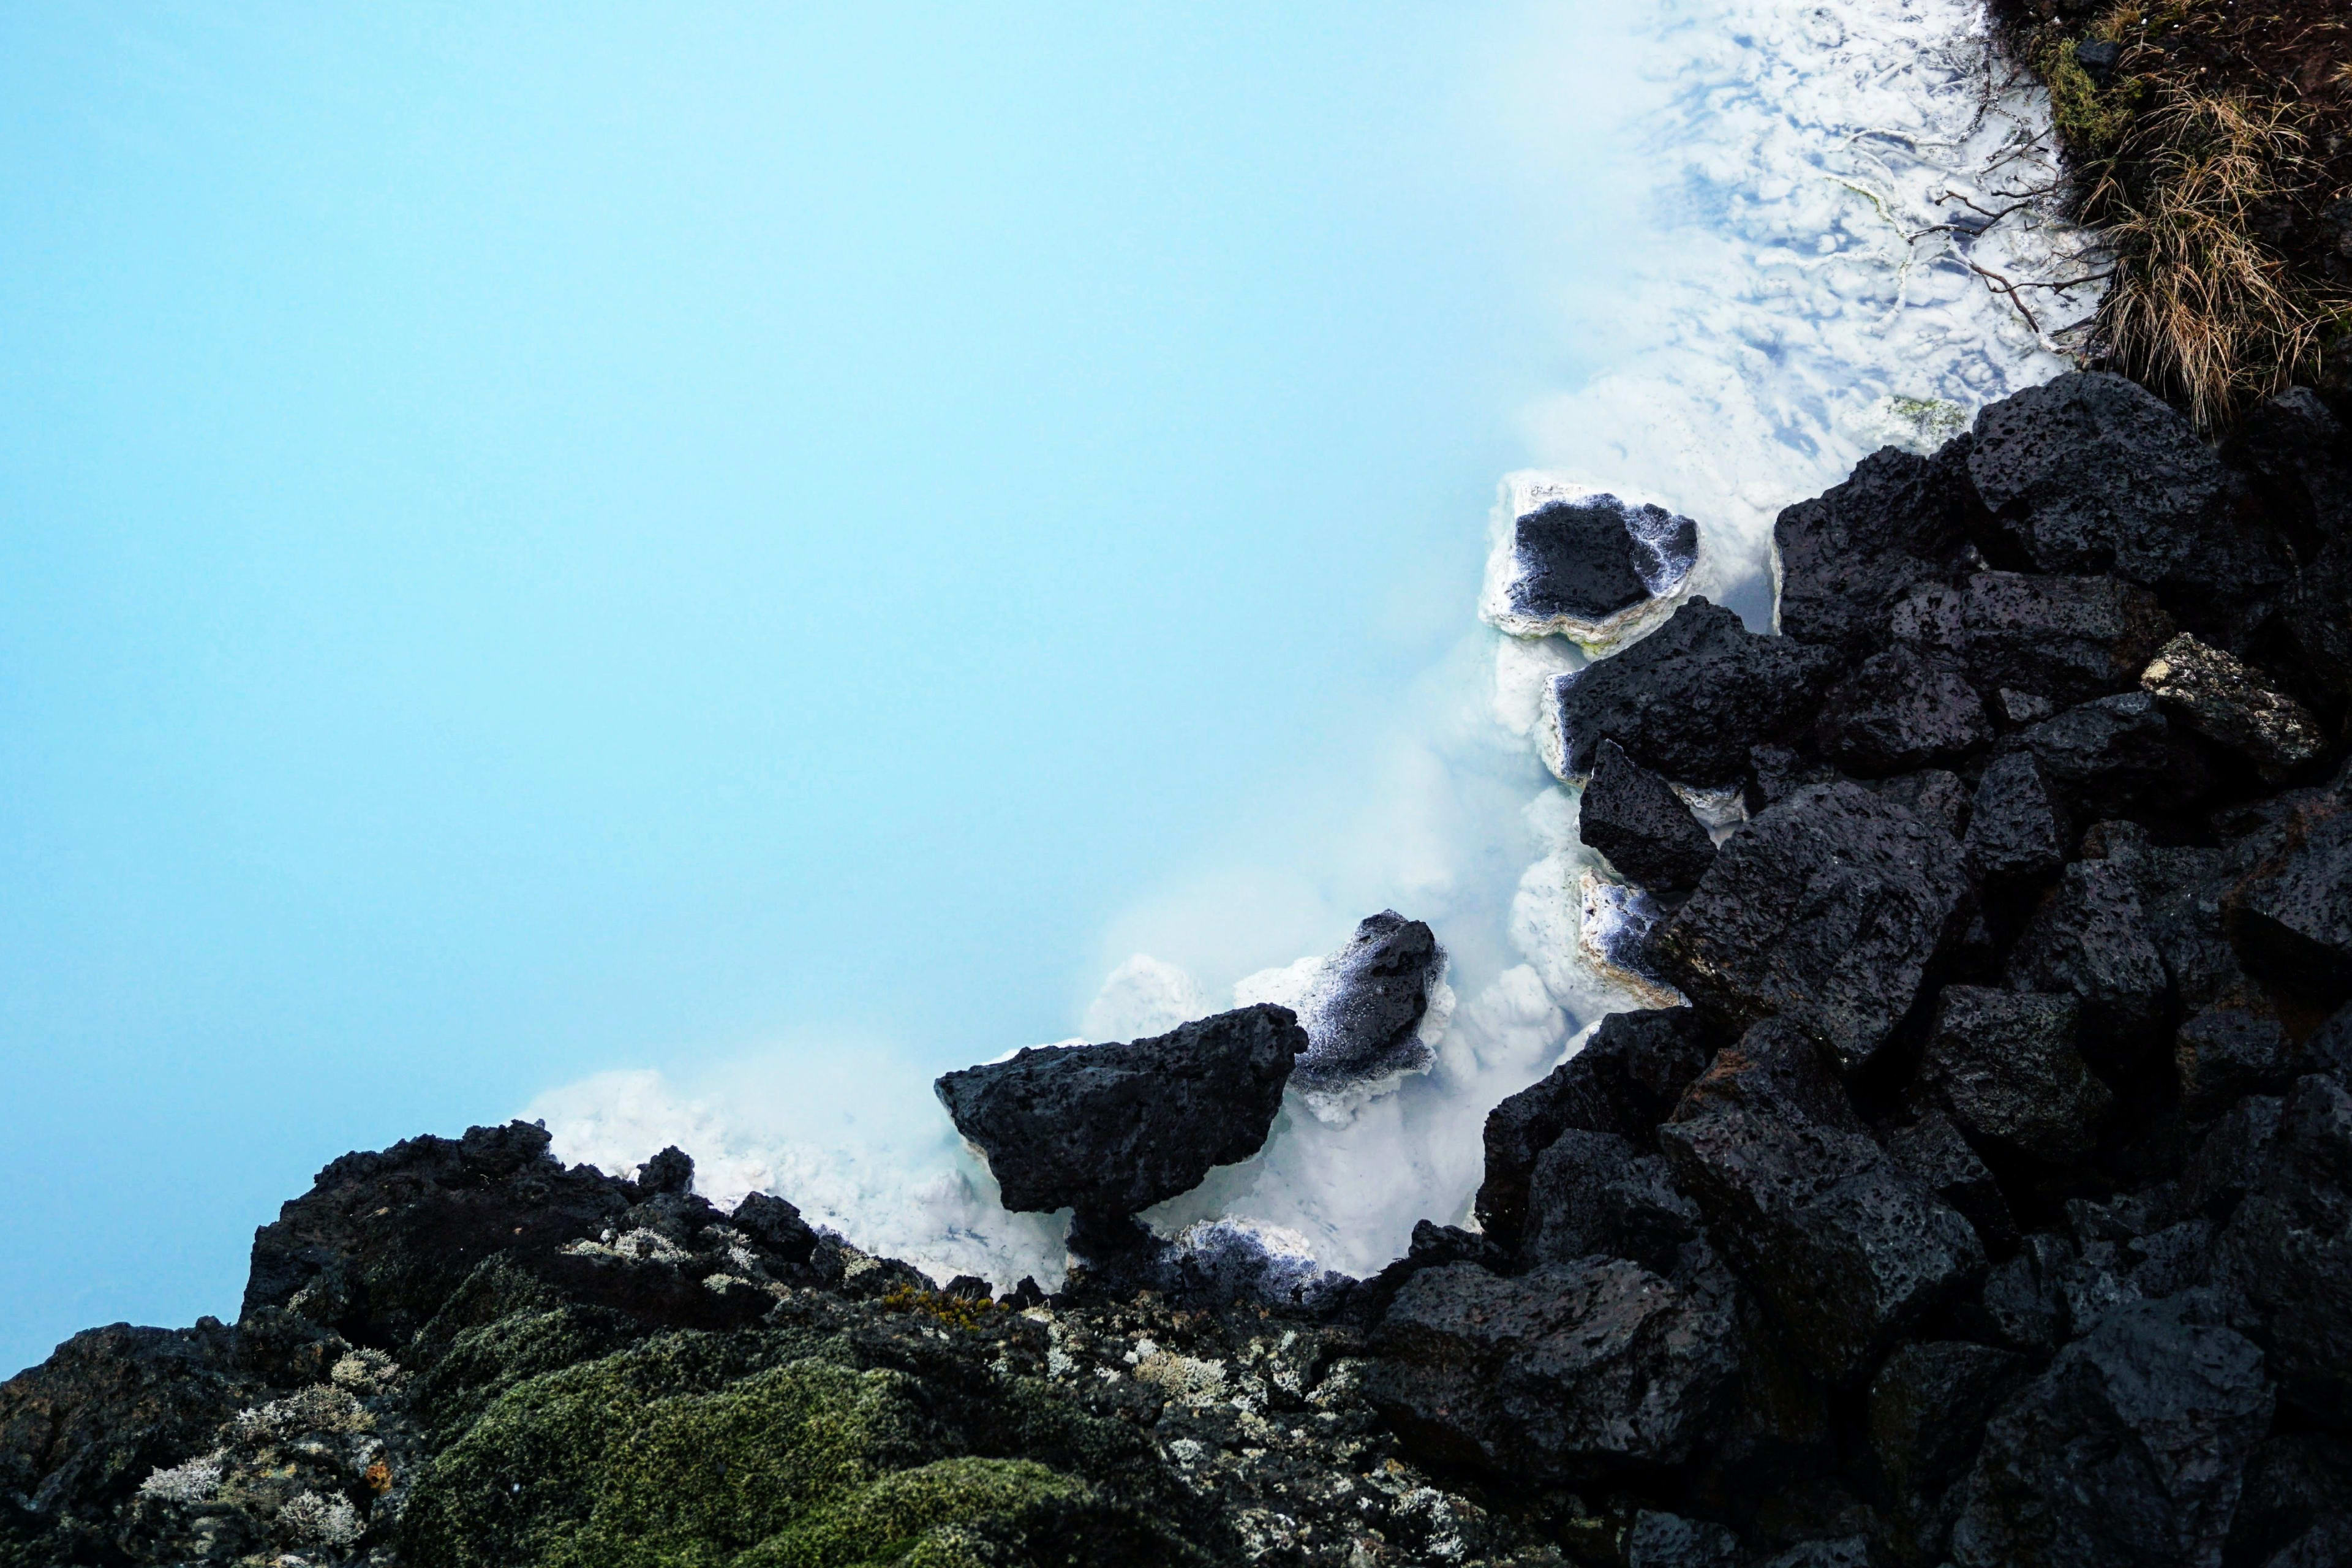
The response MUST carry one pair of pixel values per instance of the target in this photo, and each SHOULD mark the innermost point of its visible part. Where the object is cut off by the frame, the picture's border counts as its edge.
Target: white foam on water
(1801, 296)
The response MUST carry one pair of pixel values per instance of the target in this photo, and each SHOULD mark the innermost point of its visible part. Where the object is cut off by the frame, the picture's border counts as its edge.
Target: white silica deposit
(1851, 241)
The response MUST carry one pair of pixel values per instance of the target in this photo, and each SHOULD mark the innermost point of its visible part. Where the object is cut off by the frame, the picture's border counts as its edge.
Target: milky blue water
(778, 547)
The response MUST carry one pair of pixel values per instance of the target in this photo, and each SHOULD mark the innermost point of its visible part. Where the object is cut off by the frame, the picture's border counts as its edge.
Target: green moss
(924, 1515)
(2091, 123)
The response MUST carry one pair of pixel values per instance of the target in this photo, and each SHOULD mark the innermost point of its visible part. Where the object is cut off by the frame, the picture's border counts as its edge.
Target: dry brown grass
(2199, 305)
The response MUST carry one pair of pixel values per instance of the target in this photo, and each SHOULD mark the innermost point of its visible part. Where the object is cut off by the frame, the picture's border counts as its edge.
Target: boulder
(1828, 909)
(2291, 916)
(1900, 710)
(1109, 1129)
(82, 1430)
(1567, 1371)
(1848, 1248)
(1363, 1007)
(2118, 757)
(2089, 473)
(2090, 940)
(1623, 1082)
(776, 1226)
(2129, 1450)
(2023, 1302)
(2017, 827)
(2295, 1509)
(2289, 1246)
(1595, 1193)
(2300, 458)
(1845, 1551)
(2227, 1053)
(2058, 640)
(2229, 703)
(1933, 794)
(2004, 1066)
(1777, 1069)
(1649, 835)
(1690, 698)
(1579, 565)
(1933, 1149)
(1657, 1540)
(2228, 1157)
(2310, 633)
(2182, 892)
(1927, 1413)
(1844, 557)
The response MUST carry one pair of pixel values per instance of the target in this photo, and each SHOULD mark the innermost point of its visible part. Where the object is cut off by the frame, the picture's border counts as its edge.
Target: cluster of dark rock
(1989, 1202)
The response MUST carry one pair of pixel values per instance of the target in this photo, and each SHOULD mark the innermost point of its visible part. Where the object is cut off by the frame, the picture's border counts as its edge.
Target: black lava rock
(1847, 555)
(2018, 830)
(2295, 1508)
(1587, 559)
(1364, 1022)
(1933, 1149)
(2097, 57)
(1630, 815)
(2092, 939)
(671, 1172)
(1109, 1129)
(776, 1226)
(1899, 712)
(2005, 1067)
(2225, 1054)
(2289, 1246)
(1595, 1193)
(2118, 757)
(2310, 633)
(2291, 914)
(1827, 910)
(2064, 639)
(1776, 1069)
(2129, 1450)
(1623, 1082)
(1657, 1539)
(1928, 1409)
(1568, 1370)
(1690, 698)
(2300, 457)
(1847, 1247)
(2092, 474)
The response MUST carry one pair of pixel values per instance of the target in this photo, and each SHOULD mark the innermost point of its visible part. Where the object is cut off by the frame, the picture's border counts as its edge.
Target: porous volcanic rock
(1363, 1007)
(2290, 1248)
(1899, 712)
(1631, 815)
(2092, 474)
(1844, 557)
(1623, 1082)
(1927, 1408)
(1569, 1370)
(2017, 829)
(2092, 939)
(2224, 1054)
(1579, 565)
(2291, 914)
(1829, 910)
(2118, 757)
(1595, 1193)
(2004, 1064)
(2227, 702)
(2130, 1449)
(1109, 1129)
(1690, 698)
(2062, 640)
(1933, 1149)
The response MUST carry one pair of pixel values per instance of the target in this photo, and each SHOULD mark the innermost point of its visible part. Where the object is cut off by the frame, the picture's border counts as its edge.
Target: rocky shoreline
(1989, 1202)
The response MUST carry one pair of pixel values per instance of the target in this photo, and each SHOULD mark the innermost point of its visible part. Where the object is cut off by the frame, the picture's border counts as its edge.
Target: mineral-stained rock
(2289, 1246)
(1846, 1246)
(2119, 756)
(82, 1430)
(2089, 473)
(2017, 828)
(1595, 1193)
(2230, 703)
(2091, 939)
(1775, 1069)
(1690, 698)
(1927, 1408)
(1900, 710)
(1623, 1082)
(1827, 910)
(2292, 915)
(1933, 1149)
(1578, 564)
(1362, 1008)
(1113, 1128)
(1669, 1540)
(2005, 1066)
(1565, 1370)
(2226, 1053)
(1846, 556)
(2129, 1450)
(1630, 815)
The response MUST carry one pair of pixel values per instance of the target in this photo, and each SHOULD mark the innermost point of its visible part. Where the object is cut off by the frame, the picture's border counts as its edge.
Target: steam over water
(1814, 280)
